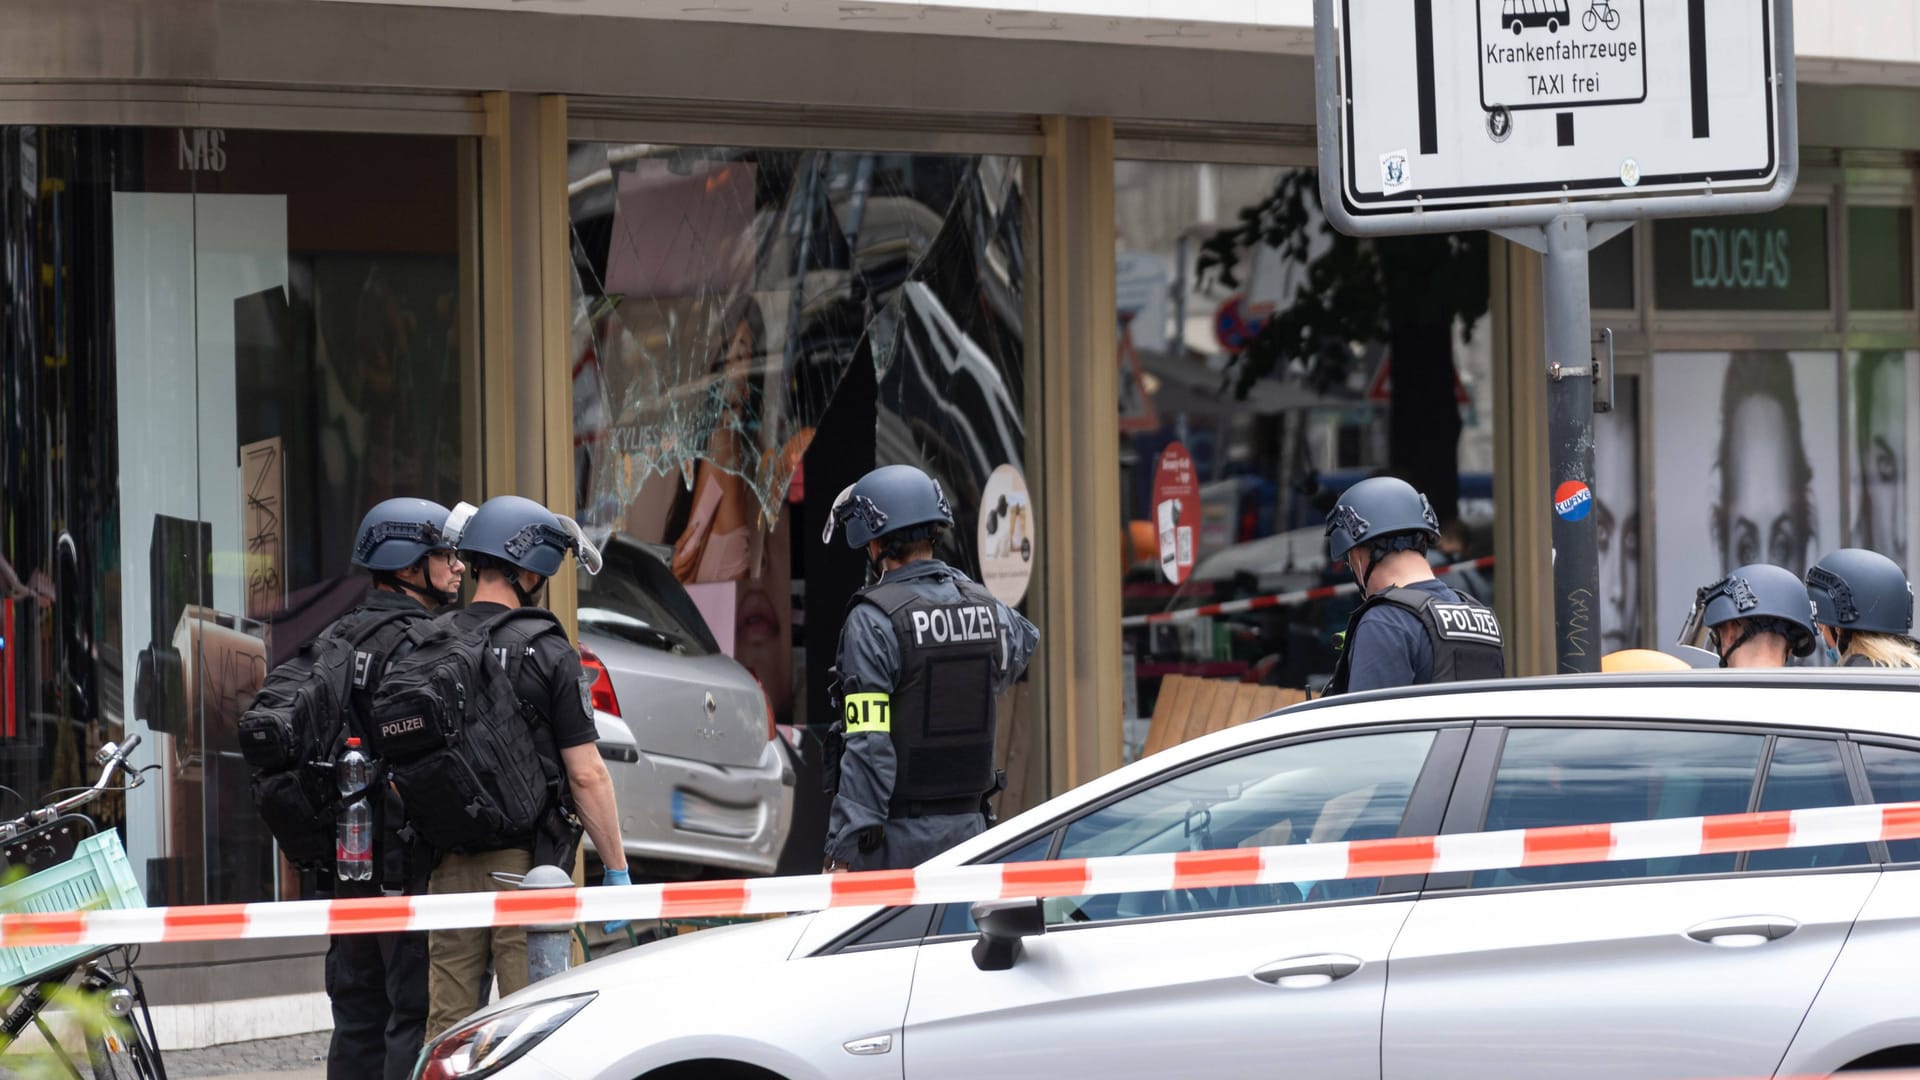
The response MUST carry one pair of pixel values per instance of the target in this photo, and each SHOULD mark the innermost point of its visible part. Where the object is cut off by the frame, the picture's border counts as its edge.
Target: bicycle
(1599, 11)
(61, 850)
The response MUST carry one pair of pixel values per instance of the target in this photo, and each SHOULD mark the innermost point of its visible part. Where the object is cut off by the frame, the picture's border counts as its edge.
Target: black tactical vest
(942, 703)
(1464, 634)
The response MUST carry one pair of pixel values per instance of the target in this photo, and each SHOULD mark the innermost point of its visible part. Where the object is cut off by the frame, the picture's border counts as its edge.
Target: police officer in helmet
(1863, 609)
(1410, 628)
(1756, 617)
(924, 653)
(377, 983)
(514, 545)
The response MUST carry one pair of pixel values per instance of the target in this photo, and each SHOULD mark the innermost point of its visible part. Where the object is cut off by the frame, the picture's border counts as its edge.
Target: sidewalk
(296, 1057)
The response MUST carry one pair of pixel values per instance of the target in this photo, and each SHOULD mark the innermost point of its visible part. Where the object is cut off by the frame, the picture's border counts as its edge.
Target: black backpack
(457, 740)
(295, 730)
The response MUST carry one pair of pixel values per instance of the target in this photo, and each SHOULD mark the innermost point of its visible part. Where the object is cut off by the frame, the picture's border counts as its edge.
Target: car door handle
(1744, 931)
(1306, 972)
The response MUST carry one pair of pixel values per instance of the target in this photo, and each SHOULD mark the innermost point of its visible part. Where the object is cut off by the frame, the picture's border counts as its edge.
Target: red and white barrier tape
(1670, 838)
(1256, 603)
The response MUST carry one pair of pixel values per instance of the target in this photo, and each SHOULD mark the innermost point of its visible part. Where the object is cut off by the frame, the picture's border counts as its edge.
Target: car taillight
(604, 698)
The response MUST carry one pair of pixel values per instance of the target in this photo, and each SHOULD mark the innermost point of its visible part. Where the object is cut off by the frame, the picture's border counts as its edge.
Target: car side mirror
(1002, 924)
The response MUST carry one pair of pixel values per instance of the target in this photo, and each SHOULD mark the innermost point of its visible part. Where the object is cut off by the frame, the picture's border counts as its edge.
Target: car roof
(1794, 697)
(1786, 697)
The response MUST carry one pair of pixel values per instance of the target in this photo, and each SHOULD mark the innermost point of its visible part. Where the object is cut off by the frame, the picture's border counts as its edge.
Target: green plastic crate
(98, 876)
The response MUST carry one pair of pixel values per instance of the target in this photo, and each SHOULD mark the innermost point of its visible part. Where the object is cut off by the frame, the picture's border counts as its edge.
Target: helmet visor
(837, 514)
(456, 525)
(1696, 634)
(584, 549)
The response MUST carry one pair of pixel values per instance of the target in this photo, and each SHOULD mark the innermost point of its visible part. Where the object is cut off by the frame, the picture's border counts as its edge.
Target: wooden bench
(1190, 706)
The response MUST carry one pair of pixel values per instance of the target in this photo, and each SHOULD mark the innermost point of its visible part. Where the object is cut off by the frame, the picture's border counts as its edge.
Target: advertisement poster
(1746, 468)
(1616, 508)
(1176, 512)
(1006, 535)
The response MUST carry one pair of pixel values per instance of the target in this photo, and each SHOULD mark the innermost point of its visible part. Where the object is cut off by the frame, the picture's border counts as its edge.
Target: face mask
(1833, 656)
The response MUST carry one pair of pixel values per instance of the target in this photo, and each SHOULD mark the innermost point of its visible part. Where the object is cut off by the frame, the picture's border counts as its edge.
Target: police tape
(1302, 596)
(1421, 855)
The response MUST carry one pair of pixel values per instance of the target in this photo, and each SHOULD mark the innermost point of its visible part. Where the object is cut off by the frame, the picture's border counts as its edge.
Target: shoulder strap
(1414, 600)
(549, 622)
(365, 632)
(889, 596)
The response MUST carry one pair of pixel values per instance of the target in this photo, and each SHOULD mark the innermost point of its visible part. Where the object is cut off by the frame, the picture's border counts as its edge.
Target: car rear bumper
(731, 818)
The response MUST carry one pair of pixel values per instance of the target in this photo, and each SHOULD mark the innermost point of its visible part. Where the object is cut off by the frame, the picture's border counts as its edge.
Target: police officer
(1863, 609)
(378, 982)
(1755, 617)
(1410, 628)
(924, 653)
(513, 545)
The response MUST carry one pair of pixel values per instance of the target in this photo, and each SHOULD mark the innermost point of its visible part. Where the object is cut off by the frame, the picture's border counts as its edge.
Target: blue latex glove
(611, 876)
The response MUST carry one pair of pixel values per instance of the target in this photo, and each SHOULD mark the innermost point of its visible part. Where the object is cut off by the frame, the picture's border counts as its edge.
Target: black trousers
(378, 985)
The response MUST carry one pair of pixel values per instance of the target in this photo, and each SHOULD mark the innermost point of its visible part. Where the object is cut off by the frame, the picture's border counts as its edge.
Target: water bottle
(353, 854)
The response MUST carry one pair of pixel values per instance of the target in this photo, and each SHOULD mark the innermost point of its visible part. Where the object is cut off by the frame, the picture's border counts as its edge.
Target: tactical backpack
(456, 738)
(295, 730)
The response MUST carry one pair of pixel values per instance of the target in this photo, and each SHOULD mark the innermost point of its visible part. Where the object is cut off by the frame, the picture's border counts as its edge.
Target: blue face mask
(1833, 656)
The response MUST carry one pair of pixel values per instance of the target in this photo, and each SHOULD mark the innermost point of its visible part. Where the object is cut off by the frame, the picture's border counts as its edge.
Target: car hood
(717, 953)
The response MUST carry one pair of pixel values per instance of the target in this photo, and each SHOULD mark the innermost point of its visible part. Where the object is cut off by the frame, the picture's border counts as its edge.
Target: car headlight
(485, 1046)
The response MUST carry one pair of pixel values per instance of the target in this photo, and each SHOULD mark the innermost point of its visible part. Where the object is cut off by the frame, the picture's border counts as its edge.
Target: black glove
(870, 838)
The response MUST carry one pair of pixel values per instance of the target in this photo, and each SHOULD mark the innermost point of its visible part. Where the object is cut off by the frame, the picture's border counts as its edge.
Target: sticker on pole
(1176, 512)
(1573, 500)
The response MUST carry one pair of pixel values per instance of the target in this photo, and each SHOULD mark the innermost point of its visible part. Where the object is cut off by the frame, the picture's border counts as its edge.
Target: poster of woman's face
(1746, 463)
(1877, 412)
(1616, 508)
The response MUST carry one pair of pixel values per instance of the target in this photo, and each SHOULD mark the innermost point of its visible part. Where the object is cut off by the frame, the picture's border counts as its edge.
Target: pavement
(296, 1057)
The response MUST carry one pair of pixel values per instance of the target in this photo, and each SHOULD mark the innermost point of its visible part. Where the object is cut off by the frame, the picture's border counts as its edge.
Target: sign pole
(1576, 561)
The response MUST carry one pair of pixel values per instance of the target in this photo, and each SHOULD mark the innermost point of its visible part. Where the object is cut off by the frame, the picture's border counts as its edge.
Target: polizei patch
(954, 624)
(1466, 622)
(390, 729)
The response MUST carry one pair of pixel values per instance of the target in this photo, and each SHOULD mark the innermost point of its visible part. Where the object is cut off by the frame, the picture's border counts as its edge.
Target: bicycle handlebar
(112, 758)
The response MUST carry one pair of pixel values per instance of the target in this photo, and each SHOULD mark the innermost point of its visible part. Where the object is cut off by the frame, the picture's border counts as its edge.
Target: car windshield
(635, 597)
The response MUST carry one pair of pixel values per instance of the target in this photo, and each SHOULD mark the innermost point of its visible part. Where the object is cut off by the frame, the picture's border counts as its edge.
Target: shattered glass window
(755, 329)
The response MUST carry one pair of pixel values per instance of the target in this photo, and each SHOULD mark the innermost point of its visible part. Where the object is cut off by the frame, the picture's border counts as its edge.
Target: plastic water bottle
(353, 854)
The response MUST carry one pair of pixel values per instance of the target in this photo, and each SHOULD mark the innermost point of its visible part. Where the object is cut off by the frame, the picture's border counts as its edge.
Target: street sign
(1447, 104)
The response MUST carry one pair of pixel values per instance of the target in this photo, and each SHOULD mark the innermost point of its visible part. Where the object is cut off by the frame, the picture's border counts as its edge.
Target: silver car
(702, 781)
(1795, 962)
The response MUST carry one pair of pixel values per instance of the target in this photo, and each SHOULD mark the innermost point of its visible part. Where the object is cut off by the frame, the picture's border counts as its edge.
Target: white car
(1795, 962)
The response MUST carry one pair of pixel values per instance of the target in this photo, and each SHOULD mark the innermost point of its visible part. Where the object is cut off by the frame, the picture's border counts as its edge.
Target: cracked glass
(755, 329)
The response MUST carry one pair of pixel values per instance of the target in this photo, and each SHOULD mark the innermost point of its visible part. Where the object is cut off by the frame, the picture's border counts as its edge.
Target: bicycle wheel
(122, 1054)
(1613, 19)
(1589, 20)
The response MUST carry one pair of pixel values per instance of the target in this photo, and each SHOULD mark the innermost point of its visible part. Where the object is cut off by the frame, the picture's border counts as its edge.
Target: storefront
(269, 262)
(1266, 364)
(1767, 373)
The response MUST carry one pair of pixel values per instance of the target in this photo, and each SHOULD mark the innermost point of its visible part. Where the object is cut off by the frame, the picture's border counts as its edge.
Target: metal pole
(1569, 338)
(549, 945)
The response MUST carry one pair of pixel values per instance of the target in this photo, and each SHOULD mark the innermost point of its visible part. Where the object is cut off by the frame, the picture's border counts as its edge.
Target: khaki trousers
(457, 959)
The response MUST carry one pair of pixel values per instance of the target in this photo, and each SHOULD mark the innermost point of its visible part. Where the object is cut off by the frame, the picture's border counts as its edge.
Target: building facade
(270, 261)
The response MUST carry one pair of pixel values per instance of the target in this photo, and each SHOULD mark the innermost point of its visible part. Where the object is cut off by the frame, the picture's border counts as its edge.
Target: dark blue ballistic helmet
(1755, 591)
(1377, 508)
(1857, 589)
(395, 534)
(522, 533)
(891, 499)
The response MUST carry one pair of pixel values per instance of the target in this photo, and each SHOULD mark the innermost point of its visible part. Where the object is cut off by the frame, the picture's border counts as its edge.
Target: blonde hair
(1884, 650)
